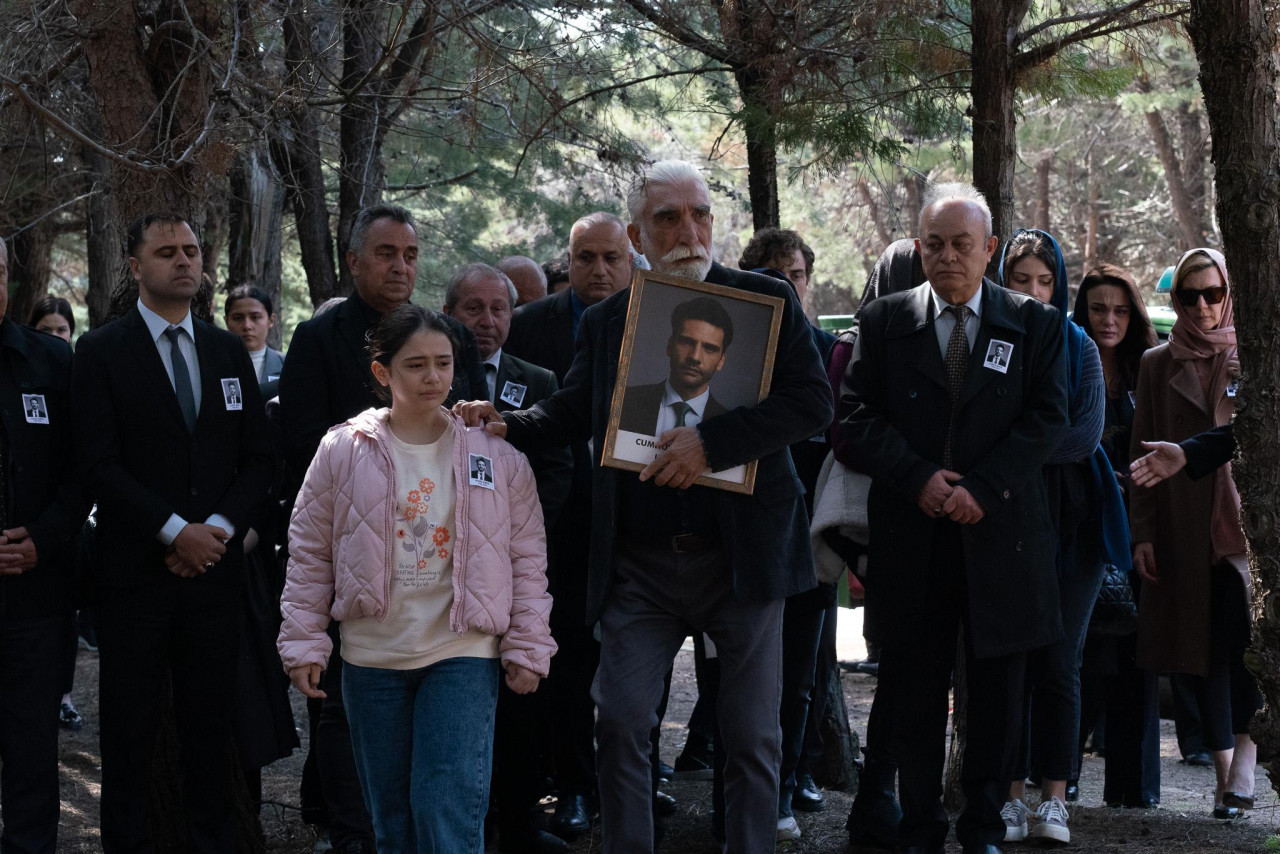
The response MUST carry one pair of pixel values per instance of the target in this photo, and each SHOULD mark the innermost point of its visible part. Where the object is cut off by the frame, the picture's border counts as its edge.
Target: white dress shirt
(156, 326)
(944, 321)
(667, 415)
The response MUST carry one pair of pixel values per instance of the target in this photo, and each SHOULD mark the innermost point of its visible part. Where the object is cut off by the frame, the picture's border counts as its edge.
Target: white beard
(688, 263)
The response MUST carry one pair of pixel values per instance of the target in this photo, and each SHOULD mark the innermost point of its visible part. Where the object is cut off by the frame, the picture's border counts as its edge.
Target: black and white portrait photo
(34, 409)
(480, 470)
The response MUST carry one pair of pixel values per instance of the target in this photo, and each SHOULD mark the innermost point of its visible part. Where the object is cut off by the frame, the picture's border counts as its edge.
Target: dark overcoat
(1173, 616)
(895, 409)
(766, 533)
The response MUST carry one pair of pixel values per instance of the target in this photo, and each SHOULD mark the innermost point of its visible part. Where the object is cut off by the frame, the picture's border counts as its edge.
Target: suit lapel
(210, 382)
(508, 371)
(1186, 382)
(148, 357)
(914, 318)
(562, 316)
(351, 329)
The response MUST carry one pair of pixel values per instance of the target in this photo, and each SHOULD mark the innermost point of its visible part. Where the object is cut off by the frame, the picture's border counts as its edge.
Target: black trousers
(519, 729)
(189, 632)
(915, 673)
(335, 760)
(29, 654)
(573, 668)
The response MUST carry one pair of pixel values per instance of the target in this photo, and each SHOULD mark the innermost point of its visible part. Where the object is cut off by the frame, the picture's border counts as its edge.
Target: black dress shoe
(1073, 791)
(663, 804)
(696, 761)
(531, 842)
(807, 796)
(875, 815)
(1199, 759)
(572, 817)
(665, 772)
(1226, 813)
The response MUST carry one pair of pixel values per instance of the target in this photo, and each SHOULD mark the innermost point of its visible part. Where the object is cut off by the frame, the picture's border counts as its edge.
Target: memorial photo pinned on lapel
(690, 351)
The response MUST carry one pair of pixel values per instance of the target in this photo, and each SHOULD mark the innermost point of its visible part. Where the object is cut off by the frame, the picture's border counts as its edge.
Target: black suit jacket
(141, 463)
(766, 534)
(326, 378)
(42, 491)
(640, 408)
(553, 467)
(895, 408)
(542, 333)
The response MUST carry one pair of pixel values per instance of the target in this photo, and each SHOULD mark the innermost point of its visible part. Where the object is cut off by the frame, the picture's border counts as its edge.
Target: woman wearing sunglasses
(1188, 544)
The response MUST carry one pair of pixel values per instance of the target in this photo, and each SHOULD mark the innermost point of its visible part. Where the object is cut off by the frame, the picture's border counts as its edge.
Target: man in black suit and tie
(960, 528)
(483, 298)
(669, 558)
(40, 513)
(701, 332)
(543, 333)
(175, 469)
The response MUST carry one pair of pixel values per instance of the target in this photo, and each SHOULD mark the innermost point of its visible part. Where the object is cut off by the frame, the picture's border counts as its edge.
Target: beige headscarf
(1187, 341)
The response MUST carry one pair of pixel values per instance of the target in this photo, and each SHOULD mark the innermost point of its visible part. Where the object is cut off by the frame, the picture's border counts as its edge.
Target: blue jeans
(423, 742)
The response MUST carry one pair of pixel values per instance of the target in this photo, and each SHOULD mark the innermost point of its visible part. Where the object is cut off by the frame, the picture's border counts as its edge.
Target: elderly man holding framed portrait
(669, 558)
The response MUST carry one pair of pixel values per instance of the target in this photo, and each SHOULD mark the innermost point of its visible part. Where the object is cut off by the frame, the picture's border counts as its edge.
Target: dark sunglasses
(1212, 296)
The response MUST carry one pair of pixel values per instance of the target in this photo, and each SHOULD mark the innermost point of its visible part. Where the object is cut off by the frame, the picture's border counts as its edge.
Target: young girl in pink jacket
(425, 540)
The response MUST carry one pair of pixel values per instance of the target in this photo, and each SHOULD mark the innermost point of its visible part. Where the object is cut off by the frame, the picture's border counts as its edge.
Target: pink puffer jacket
(341, 545)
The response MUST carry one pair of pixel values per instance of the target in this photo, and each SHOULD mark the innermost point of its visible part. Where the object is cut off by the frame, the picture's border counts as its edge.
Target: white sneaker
(1052, 826)
(788, 829)
(1014, 813)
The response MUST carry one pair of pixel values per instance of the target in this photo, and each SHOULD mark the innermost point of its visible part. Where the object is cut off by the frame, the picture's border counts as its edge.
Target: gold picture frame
(751, 322)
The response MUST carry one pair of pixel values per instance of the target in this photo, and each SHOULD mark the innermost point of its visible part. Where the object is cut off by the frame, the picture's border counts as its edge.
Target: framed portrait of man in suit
(691, 351)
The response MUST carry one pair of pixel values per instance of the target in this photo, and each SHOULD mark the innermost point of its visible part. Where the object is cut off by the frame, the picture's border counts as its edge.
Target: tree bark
(361, 174)
(1044, 166)
(1184, 213)
(1235, 45)
(254, 219)
(873, 208)
(760, 131)
(1093, 218)
(102, 239)
(836, 768)
(30, 268)
(995, 127)
(295, 148)
(1195, 146)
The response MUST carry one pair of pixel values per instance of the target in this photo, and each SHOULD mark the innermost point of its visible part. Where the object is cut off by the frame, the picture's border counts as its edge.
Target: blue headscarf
(1115, 519)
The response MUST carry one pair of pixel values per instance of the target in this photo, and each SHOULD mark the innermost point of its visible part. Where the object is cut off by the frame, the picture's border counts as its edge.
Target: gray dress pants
(657, 599)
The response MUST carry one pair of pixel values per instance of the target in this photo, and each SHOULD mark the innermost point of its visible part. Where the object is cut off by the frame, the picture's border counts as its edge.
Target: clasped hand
(682, 461)
(195, 550)
(942, 498)
(17, 552)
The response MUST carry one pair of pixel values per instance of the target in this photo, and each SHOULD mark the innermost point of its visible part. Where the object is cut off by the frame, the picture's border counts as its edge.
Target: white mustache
(684, 253)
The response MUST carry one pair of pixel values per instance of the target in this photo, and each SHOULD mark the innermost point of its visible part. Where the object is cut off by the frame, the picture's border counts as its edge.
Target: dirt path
(1181, 825)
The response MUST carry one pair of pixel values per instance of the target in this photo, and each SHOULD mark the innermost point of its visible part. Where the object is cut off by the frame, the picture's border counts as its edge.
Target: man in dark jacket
(543, 333)
(669, 558)
(40, 513)
(176, 463)
(960, 527)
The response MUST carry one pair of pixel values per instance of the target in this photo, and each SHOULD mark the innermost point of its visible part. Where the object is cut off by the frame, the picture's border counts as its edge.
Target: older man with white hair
(669, 558)
(954, 440)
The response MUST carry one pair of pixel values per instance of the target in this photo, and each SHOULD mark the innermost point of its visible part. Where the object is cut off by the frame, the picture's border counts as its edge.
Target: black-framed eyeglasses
(1212, 296)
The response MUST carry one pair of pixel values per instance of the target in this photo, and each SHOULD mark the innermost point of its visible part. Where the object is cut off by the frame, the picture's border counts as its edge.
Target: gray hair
(664, 172)
(595, 218)
(475, 271)
(368, 216)
(958, 190)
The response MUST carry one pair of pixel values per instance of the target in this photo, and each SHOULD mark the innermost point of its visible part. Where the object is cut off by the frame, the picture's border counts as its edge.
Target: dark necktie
(182, 379)
(491, 379)
(683, 411)
(956, 361)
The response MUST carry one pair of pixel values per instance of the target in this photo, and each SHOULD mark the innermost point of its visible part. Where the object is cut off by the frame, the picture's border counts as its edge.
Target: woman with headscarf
(1110, 310)
(1089, 513)
(1188, 545)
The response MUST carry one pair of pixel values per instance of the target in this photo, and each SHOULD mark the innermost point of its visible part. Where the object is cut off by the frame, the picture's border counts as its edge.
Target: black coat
(42, 493)
(640, 409)
(553, 467)
(542, 333)
(326, 378)
(895, 408)
(766, 534)
(142, 465)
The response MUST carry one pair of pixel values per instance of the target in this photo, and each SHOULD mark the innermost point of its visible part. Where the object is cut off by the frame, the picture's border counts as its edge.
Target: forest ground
(1181, 825)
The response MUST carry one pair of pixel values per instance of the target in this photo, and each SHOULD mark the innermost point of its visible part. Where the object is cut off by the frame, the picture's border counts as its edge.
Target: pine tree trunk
(1235, 45)
(1183, 211)
(102, 239)
(30, 267)
(836, 767)
(255, 215)
(995, 127)
(1044, 166)
(762, 150)
(361, 173)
